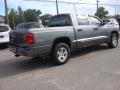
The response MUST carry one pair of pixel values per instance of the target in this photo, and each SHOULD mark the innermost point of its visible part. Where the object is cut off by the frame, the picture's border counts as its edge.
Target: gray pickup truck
(65, 33)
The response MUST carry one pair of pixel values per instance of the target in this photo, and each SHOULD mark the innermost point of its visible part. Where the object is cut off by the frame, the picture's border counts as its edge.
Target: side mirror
(99, 24)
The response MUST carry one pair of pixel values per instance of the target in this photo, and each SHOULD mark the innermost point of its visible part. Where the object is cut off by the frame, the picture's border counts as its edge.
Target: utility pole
(75, 8)
(116, 15)
(97, 7)
(57, 7)
(13, 21)
(115, 11)
(6, 12)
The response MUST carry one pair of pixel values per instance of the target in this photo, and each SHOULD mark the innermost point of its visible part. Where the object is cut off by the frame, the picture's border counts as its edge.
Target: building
(2, 19)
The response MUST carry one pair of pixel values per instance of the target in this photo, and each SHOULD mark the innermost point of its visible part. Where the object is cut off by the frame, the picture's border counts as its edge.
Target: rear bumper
(22, 51)
(4, 41)
(30, 51)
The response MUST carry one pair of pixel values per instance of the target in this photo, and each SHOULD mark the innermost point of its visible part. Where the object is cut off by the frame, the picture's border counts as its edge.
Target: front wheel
(61, 53)
(113, 41)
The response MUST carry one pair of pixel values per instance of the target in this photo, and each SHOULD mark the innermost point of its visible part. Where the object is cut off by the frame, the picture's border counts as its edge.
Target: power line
(75, 2)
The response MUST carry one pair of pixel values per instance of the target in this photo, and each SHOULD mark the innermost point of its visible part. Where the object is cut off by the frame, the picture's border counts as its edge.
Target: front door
(99, 30)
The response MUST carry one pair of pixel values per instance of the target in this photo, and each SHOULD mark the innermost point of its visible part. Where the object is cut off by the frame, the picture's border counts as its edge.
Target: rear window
(29, 25)
(4, 28)
(60, 20)
(82, 20)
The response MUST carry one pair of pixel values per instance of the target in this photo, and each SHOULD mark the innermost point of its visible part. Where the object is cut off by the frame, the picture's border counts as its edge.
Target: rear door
(84, 31)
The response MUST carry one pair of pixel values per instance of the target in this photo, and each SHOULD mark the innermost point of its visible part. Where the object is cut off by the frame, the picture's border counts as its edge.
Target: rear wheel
(113, 41)
(61, 53)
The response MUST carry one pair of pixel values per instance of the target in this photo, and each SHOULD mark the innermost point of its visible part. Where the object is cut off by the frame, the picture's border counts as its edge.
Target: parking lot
(94, 68)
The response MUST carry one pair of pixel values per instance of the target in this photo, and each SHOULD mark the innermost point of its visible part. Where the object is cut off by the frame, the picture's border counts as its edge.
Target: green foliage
(19, 16)
(102, 13)
(31, 15)
(13, 18)
(45, 18)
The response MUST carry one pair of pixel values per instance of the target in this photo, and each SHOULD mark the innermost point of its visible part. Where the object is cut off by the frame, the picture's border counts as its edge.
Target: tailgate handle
(80, 30)
(95, 28)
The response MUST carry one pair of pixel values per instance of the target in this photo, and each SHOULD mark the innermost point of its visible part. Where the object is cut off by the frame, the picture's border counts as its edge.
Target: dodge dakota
(65, 33)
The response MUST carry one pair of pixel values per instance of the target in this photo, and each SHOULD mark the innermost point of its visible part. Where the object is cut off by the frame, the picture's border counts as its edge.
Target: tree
(31, 15)
(20, 15)
(102, 13)
(45, 18)
(12, 18)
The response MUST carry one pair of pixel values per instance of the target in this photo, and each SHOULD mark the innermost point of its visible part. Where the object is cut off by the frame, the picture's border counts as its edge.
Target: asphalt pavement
(93, 68)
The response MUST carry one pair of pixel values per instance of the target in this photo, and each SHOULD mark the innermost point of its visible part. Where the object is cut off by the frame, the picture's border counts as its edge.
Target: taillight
(30, 39)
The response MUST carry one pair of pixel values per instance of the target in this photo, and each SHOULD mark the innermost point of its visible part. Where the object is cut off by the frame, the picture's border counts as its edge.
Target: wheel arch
(62, 40)
(115, 32)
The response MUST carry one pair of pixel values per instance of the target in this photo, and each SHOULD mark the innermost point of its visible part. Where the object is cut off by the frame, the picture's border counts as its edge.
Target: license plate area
(1, 36)
(13, 49)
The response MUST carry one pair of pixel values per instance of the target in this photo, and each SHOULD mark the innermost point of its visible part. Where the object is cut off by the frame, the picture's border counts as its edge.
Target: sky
(50, 8)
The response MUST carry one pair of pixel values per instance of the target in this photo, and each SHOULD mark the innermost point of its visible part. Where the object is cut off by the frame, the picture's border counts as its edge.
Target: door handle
(80, 30)
(95, 28)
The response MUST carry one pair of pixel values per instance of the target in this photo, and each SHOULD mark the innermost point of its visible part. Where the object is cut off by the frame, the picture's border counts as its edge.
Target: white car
(4, 33)
(111, 23)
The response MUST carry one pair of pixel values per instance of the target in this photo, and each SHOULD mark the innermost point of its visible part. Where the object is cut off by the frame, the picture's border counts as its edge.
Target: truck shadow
(3, 46)
(87, 50)
(20, 65)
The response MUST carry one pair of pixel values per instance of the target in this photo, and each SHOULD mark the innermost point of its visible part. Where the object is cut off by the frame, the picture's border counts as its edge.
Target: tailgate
(17, 38)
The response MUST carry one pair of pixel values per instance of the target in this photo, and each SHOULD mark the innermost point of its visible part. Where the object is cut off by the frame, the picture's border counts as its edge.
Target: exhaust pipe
(16, 55)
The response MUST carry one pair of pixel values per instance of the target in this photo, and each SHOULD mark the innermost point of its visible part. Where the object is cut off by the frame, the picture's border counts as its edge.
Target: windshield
(4, 28)
(29, 25)
(60, 20)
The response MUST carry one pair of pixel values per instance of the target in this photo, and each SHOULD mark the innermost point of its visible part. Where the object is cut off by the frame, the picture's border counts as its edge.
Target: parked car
(66, 33)
(111, 22)
(4, 33)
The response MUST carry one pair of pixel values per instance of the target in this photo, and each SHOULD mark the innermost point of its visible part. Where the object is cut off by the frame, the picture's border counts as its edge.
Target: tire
(113, 41)
(60, 53)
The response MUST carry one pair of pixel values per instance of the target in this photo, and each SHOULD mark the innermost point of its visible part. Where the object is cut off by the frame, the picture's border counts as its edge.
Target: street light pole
(57, 7)
(97, 8)
(6, 12)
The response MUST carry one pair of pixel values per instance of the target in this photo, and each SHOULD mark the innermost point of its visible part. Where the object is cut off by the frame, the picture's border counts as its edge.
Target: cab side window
(82, 20)
(95, 21)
